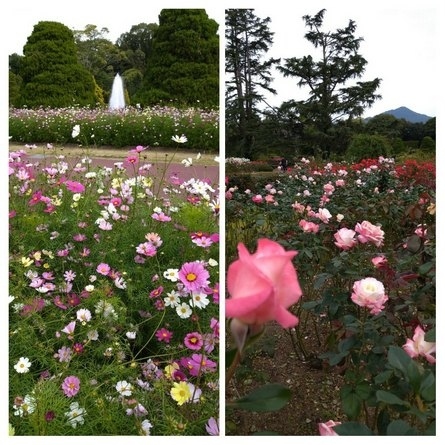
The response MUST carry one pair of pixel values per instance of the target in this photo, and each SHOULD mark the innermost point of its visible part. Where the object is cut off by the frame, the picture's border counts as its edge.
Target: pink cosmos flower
(164, 335)
(308, 227)
(156, 292)
(212, 427)
(71, 386)
(147, 249)
(69, 329)
(263, 285)
(74, 186)
(369, 293)
(419, 347)
(326, 429)
(35, 198)
(201, 364)
(369, 233)
(193, 341)
(161, 217)
(345, 238)
(194, 276)
(103, 269)
(64, 354)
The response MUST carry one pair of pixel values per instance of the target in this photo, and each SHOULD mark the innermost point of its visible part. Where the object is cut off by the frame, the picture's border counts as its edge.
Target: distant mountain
(407, 114)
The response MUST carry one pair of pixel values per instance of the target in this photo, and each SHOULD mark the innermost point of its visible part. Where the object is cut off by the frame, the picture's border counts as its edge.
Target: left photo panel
(114, 197)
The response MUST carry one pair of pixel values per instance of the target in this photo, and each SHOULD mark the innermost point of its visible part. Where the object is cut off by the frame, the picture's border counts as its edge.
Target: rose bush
(365, 291)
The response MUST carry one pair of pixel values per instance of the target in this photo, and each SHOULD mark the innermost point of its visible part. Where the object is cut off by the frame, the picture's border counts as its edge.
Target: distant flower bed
(129, 127)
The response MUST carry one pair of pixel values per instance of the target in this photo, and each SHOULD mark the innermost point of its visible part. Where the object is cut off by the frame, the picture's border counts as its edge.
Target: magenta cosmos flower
(164, 335)
(194, 276)
(71, 386)
(74, 186)
(193, 341)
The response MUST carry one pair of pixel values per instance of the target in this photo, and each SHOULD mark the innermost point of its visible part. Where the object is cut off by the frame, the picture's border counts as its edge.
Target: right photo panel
(330, 219)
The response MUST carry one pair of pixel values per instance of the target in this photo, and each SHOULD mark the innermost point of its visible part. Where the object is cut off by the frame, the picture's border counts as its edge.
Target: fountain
(117, 98)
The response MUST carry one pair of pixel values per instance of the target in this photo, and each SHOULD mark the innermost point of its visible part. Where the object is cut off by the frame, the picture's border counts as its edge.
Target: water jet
(117, 98)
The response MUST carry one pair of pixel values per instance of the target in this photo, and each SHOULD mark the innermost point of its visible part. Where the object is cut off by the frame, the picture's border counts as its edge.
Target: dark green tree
(102, 58)
(183, 67)
(51, 73)
(137, 46)
(332, 94)
(248, 39)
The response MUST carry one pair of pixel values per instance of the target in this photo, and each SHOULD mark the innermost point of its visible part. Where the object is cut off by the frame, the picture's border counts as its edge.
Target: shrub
(365, 146)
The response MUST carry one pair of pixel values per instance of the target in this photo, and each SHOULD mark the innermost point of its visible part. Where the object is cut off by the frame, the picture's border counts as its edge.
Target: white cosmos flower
(124, 388)
(23, 365)
(179, 139)
(184, 310)
(76, 131)
(187, 162)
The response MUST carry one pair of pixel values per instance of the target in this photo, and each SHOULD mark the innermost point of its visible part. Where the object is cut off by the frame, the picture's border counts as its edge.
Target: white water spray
(117, 98)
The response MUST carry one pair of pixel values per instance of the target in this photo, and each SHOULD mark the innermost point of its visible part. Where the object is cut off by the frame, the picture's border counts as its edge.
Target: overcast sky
(400, 44)
(400, 37)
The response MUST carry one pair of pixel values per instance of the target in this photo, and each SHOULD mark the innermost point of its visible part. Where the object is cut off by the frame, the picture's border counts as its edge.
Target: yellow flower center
(191, 276)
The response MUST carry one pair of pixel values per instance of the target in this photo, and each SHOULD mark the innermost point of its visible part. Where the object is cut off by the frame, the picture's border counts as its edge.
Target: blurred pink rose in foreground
(418, 346)
(368, 232)
(263, 285)
(369, 293)
(326, 429)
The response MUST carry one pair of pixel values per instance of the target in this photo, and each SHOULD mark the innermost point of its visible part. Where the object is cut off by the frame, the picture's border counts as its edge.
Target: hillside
(408, 115)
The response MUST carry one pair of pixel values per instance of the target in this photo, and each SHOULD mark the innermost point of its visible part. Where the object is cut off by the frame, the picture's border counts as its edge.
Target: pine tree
(51, 74)
(248, 39)
(332, 96)
(183, 66)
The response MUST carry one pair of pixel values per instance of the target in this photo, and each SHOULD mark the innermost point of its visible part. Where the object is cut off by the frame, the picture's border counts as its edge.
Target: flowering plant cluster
(114, 301)
(365, 237)
(119, 128)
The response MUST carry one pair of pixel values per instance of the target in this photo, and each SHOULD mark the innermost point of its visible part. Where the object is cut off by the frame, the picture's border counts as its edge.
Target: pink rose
(326, 429)
(324, 215)
(308, 226)
(418, 346)
(257, 199)
(328, 188)
(369, 293)
(369, 233)
(379, 261)
(263, 285)
(345, 238)
(421, 231)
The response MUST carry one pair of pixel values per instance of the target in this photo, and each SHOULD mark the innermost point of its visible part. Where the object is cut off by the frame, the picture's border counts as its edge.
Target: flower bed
(365, 237)
(114, 300)
(129, 127)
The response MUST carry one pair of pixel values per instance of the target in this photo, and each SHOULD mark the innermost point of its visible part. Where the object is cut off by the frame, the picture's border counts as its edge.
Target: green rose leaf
(270, 397)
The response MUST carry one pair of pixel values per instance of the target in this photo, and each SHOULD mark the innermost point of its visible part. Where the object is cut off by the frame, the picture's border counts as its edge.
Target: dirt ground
(315, 388)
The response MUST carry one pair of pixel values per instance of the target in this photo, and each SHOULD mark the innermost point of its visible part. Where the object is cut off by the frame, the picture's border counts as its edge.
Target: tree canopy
(184, 60)
(333, 92)
(50, 71)
(248, 39)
